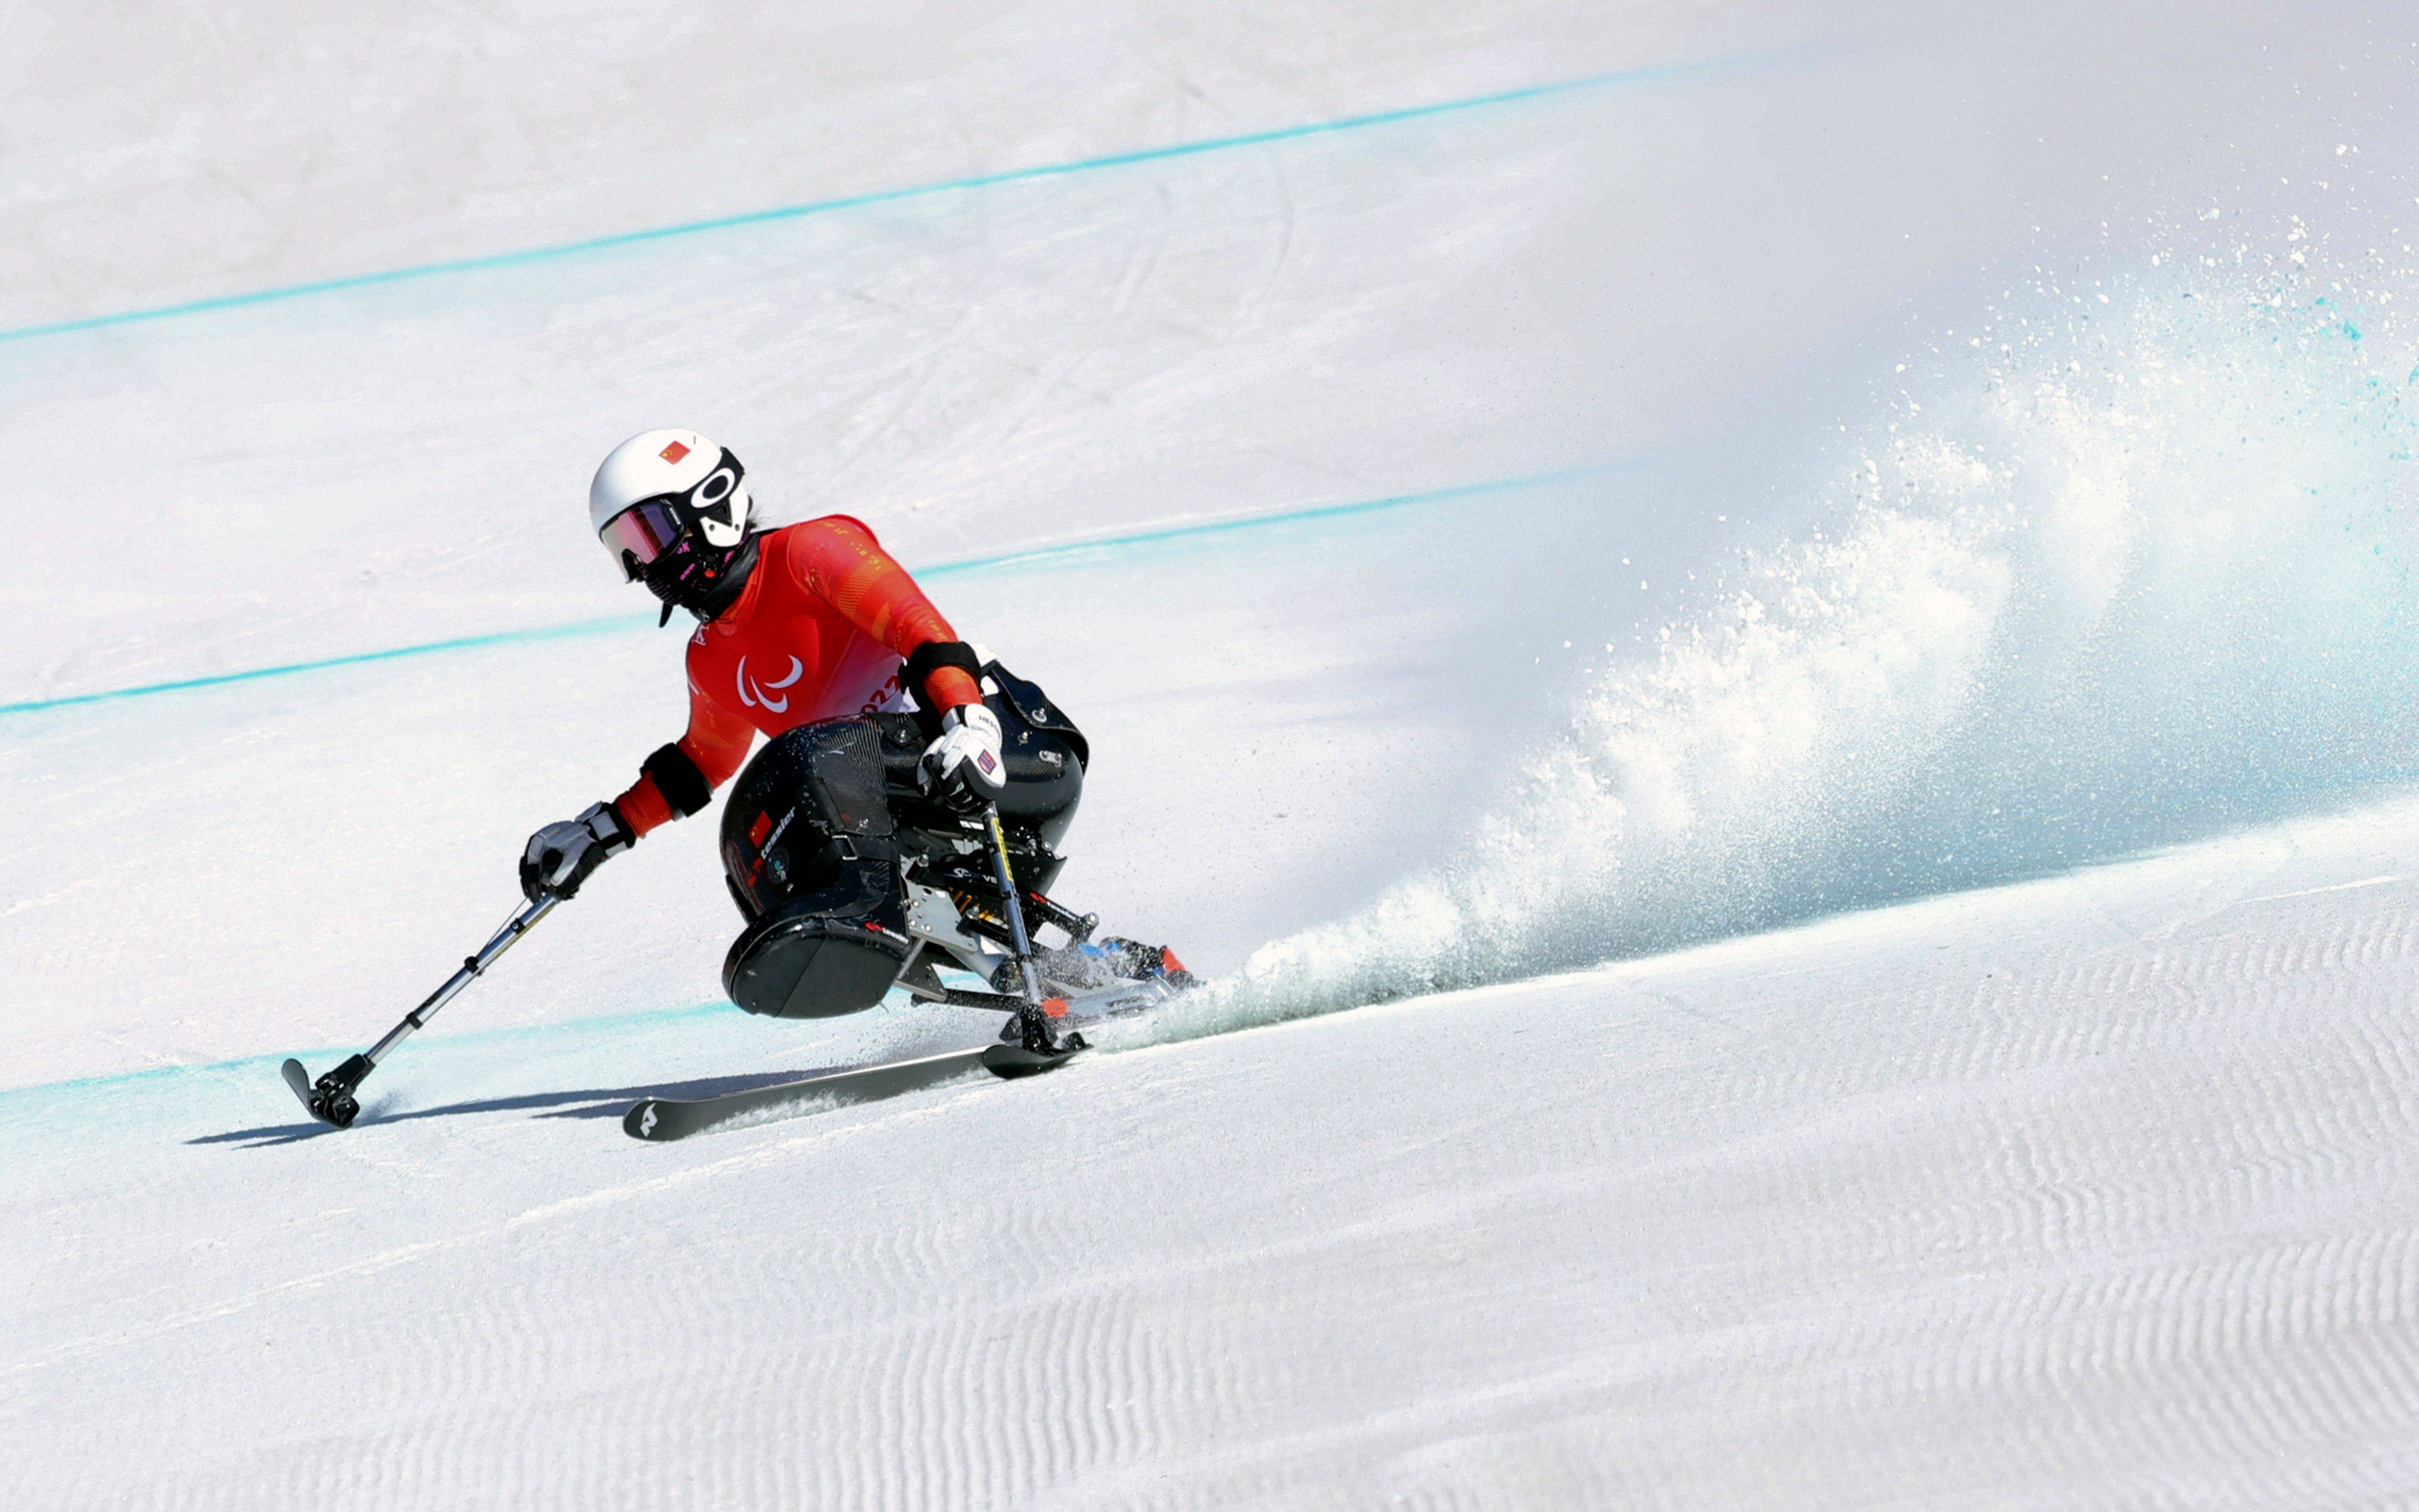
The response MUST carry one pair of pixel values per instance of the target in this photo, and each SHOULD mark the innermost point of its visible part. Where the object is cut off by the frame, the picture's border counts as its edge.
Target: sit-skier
(870, 704)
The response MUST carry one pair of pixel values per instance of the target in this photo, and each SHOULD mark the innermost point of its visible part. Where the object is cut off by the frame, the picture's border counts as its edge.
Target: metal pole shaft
(1015, 910)
(506, 939)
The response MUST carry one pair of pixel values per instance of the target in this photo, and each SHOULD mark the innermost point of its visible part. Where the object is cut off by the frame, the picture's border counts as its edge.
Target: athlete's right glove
(560, 856)
(962, 770)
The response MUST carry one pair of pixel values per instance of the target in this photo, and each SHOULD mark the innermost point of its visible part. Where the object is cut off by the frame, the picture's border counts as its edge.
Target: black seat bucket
(801, 965)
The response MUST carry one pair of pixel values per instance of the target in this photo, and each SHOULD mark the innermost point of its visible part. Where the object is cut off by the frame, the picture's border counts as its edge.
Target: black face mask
(703, 580)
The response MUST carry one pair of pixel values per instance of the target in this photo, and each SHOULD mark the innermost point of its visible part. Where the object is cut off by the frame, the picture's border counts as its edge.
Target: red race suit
(821, 632)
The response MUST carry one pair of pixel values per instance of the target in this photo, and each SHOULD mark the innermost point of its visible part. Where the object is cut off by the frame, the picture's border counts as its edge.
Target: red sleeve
(717, 742)
(840, 562)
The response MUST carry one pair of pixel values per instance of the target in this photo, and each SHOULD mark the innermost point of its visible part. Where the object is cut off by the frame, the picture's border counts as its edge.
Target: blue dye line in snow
(468, 642)
(646, 1018)
(1648, 74)
(1041, 556)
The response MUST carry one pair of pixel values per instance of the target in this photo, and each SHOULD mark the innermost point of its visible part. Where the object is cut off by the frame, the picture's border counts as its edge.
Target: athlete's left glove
(560, 856)
(962, 770)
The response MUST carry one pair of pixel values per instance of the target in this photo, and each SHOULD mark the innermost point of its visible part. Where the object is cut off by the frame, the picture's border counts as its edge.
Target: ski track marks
(2089, 1192)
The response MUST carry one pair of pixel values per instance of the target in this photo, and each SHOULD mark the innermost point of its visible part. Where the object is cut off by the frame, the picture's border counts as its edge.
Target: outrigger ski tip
(331, 1099)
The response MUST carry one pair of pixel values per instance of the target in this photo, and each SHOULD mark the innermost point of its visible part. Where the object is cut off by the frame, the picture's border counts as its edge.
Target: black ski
(658, 1118)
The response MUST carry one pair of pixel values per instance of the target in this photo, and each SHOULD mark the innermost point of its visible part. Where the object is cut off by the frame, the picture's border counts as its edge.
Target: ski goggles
(648, 529)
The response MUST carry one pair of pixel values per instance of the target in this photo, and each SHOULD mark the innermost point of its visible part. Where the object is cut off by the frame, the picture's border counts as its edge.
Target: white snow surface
(1773, 674)
(2089, 1192)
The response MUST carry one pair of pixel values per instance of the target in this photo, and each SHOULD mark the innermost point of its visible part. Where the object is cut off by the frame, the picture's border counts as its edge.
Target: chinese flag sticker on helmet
(673, 453)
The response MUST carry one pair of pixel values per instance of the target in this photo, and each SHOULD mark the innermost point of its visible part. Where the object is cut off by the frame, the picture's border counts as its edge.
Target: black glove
(560, 856)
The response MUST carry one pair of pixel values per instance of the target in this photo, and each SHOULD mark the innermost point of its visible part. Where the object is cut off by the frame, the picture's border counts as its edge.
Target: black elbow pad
(679, 780)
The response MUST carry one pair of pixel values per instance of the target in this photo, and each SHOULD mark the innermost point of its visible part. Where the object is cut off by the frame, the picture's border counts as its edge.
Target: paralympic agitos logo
(760, 695)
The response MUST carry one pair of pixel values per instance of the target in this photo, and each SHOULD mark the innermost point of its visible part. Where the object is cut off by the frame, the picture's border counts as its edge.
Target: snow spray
(2126, 565)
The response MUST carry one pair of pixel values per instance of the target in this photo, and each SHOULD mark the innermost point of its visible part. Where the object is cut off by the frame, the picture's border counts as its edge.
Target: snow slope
(1506, 491)
(2090, 1192)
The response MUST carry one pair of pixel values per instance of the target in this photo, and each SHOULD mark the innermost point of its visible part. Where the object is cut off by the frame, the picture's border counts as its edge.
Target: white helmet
(673, 510)
(675, 467)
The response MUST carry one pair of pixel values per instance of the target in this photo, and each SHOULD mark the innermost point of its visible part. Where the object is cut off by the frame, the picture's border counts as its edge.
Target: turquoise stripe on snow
(1649, 74)
(1042, 556)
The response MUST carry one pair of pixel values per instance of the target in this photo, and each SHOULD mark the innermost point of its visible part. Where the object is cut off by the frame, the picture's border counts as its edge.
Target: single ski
(658, 1118)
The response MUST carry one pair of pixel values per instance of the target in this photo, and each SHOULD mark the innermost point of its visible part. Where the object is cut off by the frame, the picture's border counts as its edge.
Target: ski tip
(296, 1078)
(644, 1119)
